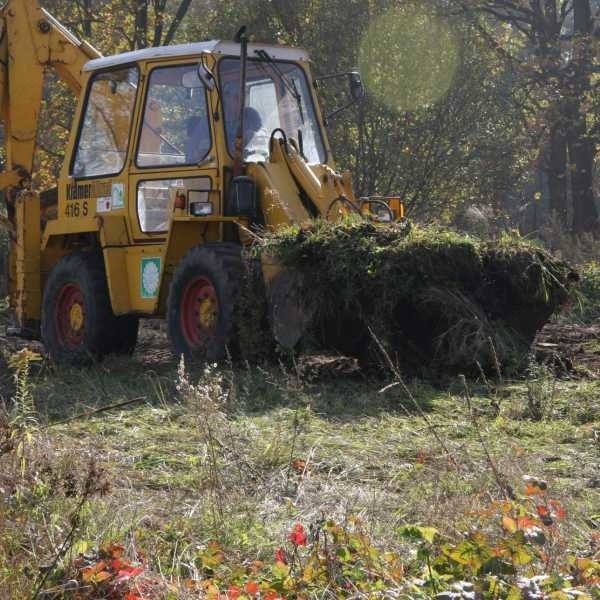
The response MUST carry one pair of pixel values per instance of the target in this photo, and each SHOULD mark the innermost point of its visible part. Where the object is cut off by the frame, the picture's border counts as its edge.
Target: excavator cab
(176, 154)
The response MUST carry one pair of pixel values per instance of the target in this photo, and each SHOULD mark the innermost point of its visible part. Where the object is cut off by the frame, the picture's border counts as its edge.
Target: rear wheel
(78, 325)
(202, 300)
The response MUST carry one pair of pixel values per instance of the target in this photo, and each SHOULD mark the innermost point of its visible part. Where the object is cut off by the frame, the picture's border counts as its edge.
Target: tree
(548, 44)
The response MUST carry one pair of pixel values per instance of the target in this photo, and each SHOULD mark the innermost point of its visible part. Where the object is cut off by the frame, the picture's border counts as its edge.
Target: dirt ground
(570, 350)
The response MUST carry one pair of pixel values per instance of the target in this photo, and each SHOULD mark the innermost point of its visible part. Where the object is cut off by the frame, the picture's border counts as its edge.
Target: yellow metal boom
(30, 41)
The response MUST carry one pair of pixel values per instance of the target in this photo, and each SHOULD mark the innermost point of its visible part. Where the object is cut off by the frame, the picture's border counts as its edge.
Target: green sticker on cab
(150, 277)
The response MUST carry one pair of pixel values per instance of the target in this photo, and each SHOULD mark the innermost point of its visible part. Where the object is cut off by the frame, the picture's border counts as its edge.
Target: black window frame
(88, 91)
(309, 87)
(143, 113)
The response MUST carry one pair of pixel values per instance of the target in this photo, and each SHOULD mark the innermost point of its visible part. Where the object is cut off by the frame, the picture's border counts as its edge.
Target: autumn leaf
(557, 509)
(509, 524)
(252, 588)
(298, 535)
(127, 573)
(280, 556)
(233, 592)
(533, 490)
(299, 465)
(91, 574)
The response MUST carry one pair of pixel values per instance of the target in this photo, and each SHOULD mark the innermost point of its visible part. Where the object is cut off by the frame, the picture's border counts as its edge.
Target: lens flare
(408, 58)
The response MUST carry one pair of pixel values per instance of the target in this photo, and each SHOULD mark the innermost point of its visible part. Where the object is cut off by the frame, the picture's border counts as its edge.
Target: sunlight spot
(408, 58)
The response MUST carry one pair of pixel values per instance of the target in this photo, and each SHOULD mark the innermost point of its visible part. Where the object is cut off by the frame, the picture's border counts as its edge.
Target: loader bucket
(432, 298)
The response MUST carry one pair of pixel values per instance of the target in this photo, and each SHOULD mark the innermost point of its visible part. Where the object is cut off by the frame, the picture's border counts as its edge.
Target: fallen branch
(95, 411)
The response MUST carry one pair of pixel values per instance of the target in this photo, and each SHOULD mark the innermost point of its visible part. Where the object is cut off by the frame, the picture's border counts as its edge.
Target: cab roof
(193, 51)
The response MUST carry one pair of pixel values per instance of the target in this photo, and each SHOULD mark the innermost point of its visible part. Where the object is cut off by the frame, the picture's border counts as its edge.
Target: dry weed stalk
(207, 399)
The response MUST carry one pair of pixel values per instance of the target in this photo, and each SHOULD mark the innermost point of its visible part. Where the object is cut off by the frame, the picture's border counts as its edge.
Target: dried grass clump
(435, 298)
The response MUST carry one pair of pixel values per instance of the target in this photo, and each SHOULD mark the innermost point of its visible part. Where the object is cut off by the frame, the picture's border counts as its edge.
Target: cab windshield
(277, 96)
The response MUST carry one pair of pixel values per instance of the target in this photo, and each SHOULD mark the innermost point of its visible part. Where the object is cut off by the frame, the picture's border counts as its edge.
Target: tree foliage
(514, 118)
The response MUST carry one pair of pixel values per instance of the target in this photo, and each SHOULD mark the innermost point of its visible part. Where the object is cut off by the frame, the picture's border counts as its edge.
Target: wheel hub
(199, 312)
(69, 316)
(207, 313)
(76, 317)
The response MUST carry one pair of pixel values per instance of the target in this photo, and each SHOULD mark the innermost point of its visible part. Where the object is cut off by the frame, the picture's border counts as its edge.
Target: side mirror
(357, 89)
(205, 74)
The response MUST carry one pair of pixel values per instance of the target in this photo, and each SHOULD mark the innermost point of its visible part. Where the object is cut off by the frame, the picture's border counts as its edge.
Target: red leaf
(558, 510)
(233, 592)
(131, 571)
(527, 523)
(252, 588)
(298, 535)
(280, 556)
(116, 564)
(116, 550)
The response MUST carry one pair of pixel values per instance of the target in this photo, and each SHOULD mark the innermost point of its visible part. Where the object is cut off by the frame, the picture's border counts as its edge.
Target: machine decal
(76, 209)
(87, 191)
(118, 196)
(150, 277)
(104, 205)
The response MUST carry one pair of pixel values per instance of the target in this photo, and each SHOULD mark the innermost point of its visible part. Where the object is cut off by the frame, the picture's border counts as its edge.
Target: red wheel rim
(199, 311)
(69, 316)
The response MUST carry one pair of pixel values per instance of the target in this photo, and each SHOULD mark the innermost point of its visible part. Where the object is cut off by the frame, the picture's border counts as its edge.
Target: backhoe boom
(30, 41)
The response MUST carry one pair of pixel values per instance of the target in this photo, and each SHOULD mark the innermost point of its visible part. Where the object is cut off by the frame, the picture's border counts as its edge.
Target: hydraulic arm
(31, 40)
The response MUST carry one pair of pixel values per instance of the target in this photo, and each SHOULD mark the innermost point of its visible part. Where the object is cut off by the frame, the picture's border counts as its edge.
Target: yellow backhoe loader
(176, 155)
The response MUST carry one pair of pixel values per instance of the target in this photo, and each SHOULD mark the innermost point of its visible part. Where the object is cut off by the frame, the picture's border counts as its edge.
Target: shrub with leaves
(588, 310)
(514, 549)
(43, 495)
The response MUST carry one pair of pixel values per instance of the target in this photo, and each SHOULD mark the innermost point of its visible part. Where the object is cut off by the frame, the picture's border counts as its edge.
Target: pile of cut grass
(435, 299)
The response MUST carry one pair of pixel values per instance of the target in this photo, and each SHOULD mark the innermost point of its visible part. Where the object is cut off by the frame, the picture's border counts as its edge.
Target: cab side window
(104, 135)
(175, 128)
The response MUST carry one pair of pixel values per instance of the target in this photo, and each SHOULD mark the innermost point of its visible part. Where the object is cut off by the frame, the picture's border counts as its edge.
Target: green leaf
(344, 554)
(280, 570)
(415, 532)
(497, 566)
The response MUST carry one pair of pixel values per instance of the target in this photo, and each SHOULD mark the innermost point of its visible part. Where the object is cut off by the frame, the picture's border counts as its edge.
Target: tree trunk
(181, 12)
(159, 22)
(140, 39)
(556, 170)
(581, 147)
(581, 157)
(87, 19)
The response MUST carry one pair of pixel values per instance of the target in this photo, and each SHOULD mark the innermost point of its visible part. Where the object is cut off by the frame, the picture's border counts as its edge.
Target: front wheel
(78, 325)
(202, 301)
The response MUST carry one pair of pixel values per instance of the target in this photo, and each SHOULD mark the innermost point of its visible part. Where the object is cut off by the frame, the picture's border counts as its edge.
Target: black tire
(207, 275)
(77, 285)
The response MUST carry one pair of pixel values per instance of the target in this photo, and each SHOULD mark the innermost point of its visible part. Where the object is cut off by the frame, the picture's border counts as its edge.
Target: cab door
(174, 164)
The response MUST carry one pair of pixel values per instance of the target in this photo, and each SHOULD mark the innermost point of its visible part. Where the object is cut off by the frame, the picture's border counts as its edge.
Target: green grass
(368, 453)
(187, 464)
